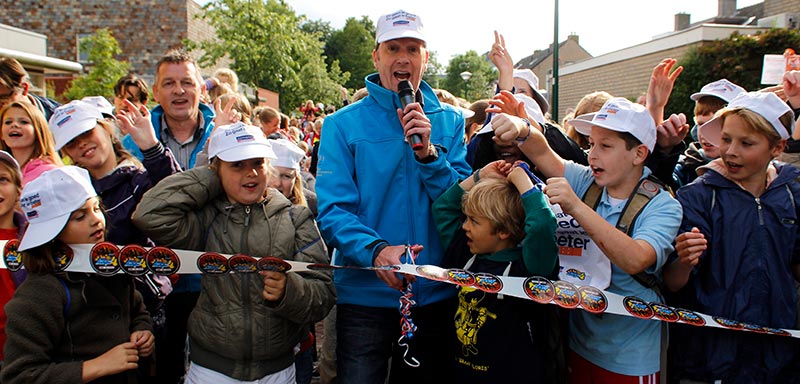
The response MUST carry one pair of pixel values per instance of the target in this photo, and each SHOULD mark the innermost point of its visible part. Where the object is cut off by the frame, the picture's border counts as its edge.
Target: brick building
(626, 72)
(541, 61)
(145, 29)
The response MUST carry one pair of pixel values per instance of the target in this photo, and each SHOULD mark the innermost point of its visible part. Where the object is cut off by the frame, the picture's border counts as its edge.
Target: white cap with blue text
(766, 104)
(721, 88)
(621, 115)
(398, 25)
(72, 119)
(239, 141)
(48, 201)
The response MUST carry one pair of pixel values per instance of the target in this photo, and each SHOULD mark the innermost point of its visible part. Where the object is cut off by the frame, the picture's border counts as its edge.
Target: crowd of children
(715, 229)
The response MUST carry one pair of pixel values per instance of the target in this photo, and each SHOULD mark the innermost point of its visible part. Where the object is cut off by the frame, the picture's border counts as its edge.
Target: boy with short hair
(711, 98)
(608, 348)
(499, 339)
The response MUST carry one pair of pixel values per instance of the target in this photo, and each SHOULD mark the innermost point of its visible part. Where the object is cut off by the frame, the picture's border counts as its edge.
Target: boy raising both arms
(609, 348)
(498, 338)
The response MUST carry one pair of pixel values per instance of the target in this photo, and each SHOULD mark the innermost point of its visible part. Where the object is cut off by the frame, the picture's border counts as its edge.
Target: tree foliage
(738, 58)
(269, 49)
(105, 70)
(479, 85)
(434, 71)
(352, 46)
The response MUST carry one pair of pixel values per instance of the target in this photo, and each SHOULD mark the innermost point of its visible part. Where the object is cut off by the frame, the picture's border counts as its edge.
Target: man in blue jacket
(375, 194)
(182, 124)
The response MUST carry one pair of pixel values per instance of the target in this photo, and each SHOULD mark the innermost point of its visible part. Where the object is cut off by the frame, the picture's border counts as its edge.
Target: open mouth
(400, 75)
(733, 167)
(14, 134)
(97, 235)
(597, 171)
(250, 186)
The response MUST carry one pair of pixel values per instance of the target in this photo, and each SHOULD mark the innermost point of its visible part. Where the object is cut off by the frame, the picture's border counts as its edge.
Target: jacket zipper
(245, 292)
(760, 211)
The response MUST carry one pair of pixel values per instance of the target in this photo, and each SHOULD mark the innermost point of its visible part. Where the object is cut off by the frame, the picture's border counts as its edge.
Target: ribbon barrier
(107, 259)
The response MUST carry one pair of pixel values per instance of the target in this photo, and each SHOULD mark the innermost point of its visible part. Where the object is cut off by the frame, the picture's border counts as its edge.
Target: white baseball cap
(102, 104)
(766, 104)
(722, 88)
(72, 119)
(288, 154)
(11, 160)
(621, 115)
(398, 25)
(239, 141)
(48, 200)
(531, 107)
(533, 82)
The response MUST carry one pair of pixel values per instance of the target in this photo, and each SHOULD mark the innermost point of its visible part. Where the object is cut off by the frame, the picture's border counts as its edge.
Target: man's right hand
(391, 256)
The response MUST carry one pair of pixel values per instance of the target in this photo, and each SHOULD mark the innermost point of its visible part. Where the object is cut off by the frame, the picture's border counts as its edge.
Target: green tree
(104, 69)
(352, 46)
(737, 58)
(265, 42)
(479, 85)
(319, 84)
(322, 29)
(434, 71)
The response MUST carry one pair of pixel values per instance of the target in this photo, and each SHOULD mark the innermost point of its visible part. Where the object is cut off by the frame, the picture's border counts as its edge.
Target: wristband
(476, 176)
(522, 139)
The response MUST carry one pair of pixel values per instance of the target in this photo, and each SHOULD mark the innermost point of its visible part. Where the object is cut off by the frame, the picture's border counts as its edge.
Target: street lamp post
(466, 75)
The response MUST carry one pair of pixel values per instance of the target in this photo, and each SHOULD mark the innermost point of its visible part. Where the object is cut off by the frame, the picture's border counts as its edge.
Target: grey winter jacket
(233, 330)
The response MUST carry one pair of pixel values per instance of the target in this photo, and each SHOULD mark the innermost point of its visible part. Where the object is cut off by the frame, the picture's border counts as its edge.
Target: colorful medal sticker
(63, 257)
(322, 267)
(460, 277)
(664, 313)
(163, 261)
(488, 282)
(754, 328)
(637, 307)
(133, 260)
(432, 272)
(103, 258)
(243, 264)
(593, 300)
(11, 255)
(539, 289)
(212, 263)
(690, 317)
(778, 331)
(730, 324)
(567, 295)
(576, 274)
(275, 264)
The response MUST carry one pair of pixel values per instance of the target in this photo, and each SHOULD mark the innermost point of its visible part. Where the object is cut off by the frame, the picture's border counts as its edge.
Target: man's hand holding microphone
(416, 125)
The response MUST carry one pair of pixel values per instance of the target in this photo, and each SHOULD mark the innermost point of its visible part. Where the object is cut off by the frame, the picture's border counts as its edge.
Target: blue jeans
(367, 337)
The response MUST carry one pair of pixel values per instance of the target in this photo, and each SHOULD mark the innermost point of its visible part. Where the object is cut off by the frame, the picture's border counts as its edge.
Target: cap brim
(583, 123)
(39, 233)
(543, 104)
(467, 112)
(712, 131)
(76, 130)
(249, 151)
(404, 34)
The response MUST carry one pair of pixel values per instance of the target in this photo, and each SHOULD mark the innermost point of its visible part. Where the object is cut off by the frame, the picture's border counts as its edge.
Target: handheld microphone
(406, 93)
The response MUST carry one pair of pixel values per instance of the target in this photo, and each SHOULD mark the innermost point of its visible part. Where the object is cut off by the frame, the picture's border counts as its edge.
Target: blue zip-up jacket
(745, 275)
(155, 118)
(372, 189)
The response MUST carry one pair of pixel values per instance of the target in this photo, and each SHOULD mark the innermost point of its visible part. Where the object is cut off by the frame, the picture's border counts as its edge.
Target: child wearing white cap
(287, 178)
(11, 224)
(737, 249)
(245, 326)
(25, 135)
(622, 134)
(711, 98)
(65, 326)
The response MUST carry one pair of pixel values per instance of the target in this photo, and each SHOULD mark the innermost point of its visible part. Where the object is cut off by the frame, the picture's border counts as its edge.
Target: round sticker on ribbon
(243, 264)
(133, 260)
(103, 258)
(460, 277)
(488, 282)
(593, 300)
(539, 289)
(63, 257)
(432, 272)
(778, 332)
(664, 313)
(690, 317)
(11, 255)
(274, 264)
(567, 295)
(754, 328)
(730, 324)
(212, 263)
(637, 307)
(163, 261)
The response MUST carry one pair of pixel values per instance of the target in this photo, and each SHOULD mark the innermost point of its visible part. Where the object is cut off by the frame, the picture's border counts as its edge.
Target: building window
(83, 57)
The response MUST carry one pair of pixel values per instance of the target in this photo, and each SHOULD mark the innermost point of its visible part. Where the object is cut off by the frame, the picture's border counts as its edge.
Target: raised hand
(227, 115)
(136, 123)
(503, 61)
(671, 132)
